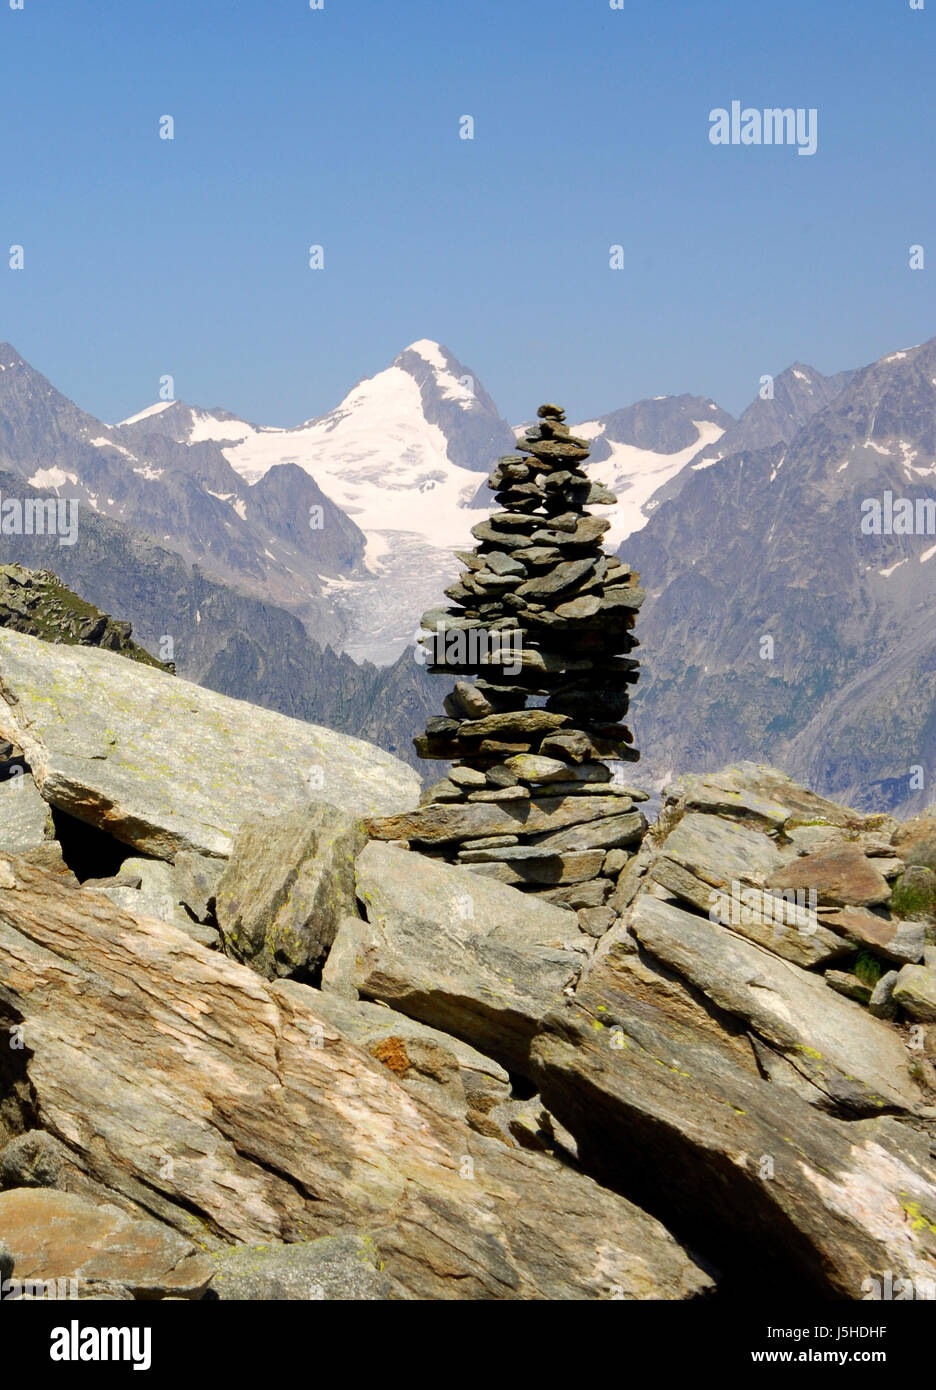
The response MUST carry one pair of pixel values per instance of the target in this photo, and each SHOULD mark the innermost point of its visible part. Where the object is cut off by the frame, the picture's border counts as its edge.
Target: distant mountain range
(275, 556)
(400, 458)
(763, 540)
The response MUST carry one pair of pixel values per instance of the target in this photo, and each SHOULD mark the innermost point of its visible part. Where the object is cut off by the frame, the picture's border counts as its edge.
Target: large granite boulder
(743, 1167)
(464, 954)
(859, 1061)
(167, 766)
(748, 886)
(288, 883)
(915, 840)
(915, 991)
(221, 1103)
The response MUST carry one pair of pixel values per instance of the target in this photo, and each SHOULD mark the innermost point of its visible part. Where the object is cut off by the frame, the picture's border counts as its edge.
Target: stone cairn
(540, 614)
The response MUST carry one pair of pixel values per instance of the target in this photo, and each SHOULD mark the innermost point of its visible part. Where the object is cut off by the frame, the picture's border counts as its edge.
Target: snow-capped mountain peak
(450, 381)
(401, 452)
(145, 414)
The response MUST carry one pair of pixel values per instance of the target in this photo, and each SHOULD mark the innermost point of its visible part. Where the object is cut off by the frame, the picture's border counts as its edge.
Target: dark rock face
(665, 426)
(791, 399)
(284, 499)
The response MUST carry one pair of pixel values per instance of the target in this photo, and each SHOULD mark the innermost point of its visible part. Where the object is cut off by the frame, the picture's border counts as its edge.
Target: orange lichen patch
(392, 1052)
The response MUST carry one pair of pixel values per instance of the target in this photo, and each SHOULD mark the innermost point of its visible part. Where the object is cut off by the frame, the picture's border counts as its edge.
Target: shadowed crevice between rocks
(86, 849)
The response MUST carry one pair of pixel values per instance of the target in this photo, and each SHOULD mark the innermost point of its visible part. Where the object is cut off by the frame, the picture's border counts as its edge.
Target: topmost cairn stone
(540, 613)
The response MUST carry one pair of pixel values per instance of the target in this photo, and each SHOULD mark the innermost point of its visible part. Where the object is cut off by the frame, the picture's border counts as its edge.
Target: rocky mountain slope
(313, 1064)
(186, 498)
(400, 456)
(220, 637)
(639, 451)
(39, 604)
(774, 626)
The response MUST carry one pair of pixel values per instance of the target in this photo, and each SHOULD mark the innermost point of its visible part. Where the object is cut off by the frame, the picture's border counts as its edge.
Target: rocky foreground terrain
(256, 1044)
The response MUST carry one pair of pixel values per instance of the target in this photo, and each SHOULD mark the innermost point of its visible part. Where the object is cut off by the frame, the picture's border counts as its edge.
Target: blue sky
(340, 127)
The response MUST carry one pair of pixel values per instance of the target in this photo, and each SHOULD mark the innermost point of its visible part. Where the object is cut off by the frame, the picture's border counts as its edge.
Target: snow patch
(150, 410)
(590, 430)
(52, 477)
(774, 473)
(103, 443)
(378, 458)
(233, 500)
(636, 474)
(207, 428)
(430, 352)
(448, 386)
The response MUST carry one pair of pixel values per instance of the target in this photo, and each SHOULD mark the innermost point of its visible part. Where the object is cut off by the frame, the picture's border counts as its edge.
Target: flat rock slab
(915, 841)
(224, 1105)
(476, 819)
(58, 1235)
(719, 850)
(840, 876)
(758, 1177)
(856, 1059)
(522, 722)
(535, 865)
(165, 765)
(534, 767)
(424, 1059)
(898, 941)
(460, 952)
(608, 833)
(749, 790)
(785, 928)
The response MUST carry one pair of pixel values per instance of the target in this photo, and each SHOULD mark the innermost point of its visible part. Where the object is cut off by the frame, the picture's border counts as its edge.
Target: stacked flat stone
(539, 576)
